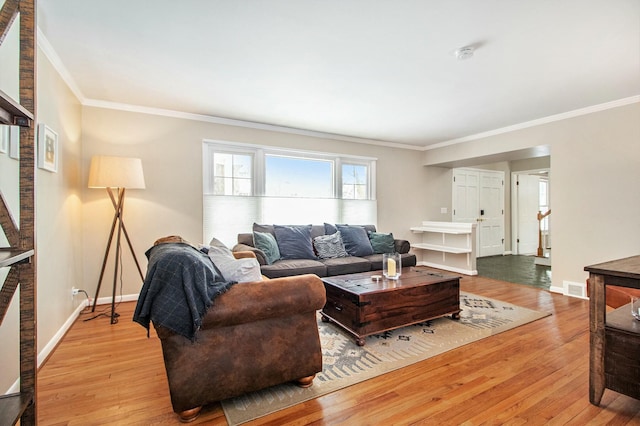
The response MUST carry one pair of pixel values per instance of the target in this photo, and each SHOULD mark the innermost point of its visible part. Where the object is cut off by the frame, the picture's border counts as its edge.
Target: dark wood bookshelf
(21, 259)
(12, 113)
(11, 256)
(12, 406)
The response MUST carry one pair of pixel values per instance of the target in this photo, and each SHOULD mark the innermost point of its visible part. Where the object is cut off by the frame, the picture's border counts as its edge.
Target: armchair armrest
(244, 254)
(278, 297)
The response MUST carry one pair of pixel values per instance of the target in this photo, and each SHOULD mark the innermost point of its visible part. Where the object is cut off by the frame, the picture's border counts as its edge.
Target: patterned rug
(345, 363)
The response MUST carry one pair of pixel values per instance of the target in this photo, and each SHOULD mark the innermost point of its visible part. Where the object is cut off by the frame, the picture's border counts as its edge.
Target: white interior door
(527, 196)
(478, 196)
(491, 223)
(465, 195)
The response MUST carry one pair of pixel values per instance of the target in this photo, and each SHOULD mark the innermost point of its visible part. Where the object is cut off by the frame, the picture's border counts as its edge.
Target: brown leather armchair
(255, 335)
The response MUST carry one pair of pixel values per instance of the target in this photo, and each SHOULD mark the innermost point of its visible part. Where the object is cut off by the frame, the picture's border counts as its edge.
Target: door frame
(514, 203)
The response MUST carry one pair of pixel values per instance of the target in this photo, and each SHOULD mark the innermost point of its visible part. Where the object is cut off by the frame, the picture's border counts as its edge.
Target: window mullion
(259, 173)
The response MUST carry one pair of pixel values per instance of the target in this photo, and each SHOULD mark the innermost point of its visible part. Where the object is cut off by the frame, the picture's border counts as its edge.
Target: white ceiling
(382, 70)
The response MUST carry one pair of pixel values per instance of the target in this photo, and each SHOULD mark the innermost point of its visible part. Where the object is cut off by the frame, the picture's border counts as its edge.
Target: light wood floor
(534, 374)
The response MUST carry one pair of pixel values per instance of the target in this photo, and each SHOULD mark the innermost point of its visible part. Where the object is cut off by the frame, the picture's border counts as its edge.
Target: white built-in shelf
(447, 245)
(446, 249)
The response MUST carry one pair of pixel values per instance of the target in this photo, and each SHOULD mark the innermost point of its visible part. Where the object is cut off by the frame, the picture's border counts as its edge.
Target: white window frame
(225, 216)
(259, 153)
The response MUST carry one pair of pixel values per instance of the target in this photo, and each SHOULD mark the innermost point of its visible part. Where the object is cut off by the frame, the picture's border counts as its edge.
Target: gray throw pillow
(382, 243)
(268, 244)
(356, 241)
(294, 241)
(329, 246)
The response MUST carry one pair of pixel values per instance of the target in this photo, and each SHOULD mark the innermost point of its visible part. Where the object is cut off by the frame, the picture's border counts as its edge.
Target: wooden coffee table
(364, 306)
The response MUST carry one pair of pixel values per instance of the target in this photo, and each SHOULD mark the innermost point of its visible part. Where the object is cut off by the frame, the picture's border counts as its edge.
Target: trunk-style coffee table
(363, 305)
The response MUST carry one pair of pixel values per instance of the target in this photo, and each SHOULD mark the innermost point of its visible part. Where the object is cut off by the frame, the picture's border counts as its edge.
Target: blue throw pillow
(356, 241)
(267, 243)
(382, 243)
(329, 229)
(294, 242)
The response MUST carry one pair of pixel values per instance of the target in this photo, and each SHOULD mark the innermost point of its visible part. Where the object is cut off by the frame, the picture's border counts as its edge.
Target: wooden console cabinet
(614, 355)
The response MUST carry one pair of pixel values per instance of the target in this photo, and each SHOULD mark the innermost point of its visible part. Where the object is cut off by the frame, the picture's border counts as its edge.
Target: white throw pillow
(232, 269)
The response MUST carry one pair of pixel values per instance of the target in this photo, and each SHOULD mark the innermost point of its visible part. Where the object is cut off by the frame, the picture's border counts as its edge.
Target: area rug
(345, 363)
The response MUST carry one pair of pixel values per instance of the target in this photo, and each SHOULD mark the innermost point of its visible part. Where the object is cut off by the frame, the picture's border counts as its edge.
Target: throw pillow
(294, 242)
(330, 229)
(329, 246)
(268, 244)
(382, 243)
(263, 228)
(356, 241)
(232, 269)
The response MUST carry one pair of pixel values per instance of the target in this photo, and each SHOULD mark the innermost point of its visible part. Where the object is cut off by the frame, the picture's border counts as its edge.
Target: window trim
(259, 153)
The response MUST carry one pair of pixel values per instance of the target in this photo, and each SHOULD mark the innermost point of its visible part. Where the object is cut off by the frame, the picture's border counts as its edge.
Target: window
(298, 177)
(243, 184)
(232, 174)
(355, 181)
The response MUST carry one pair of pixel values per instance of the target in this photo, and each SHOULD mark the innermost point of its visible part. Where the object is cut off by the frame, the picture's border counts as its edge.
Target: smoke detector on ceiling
(464, 52)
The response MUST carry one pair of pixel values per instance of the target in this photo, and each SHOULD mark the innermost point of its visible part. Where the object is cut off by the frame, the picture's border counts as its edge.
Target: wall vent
(575, 289)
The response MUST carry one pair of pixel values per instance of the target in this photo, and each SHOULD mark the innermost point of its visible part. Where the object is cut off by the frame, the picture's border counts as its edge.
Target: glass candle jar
(635, 307)
(391, 265)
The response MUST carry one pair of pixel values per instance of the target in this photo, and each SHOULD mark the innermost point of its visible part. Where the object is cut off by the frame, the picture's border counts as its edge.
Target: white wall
(171, 153)
(595, 165)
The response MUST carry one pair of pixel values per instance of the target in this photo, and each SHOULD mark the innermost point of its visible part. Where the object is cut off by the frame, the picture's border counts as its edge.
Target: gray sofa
(357, 256)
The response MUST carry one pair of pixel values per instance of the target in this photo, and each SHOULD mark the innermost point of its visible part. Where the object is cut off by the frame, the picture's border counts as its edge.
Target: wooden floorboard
(535, 374)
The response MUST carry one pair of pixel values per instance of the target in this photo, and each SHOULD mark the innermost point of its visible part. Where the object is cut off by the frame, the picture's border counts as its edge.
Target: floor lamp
(119, 173)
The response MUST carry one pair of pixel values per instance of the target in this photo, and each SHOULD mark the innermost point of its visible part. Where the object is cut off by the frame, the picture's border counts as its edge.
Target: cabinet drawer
(621, 362)
(342, 307)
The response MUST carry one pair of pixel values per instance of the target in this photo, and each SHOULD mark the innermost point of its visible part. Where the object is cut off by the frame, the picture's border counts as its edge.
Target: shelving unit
(20, 256)
(614, 337)
(448, 245)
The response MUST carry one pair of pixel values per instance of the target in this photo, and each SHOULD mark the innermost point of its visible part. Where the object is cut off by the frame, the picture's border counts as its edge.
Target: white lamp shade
(116, 172)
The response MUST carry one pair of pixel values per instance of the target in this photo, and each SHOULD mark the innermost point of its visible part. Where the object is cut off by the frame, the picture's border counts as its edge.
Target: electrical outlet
(74, 291)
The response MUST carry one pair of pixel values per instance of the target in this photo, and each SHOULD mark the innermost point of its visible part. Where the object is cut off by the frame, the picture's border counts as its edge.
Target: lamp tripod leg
(104, 261)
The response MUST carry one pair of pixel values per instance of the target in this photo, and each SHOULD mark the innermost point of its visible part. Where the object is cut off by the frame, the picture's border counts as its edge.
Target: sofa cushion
(268, 244)
(346, 265)
(382, 243)
(329, 246)
(285, 268)
(356, 241)
(294, 241)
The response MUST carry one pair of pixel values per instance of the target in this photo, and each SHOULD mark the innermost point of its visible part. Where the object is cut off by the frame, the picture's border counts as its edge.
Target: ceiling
(381, 70)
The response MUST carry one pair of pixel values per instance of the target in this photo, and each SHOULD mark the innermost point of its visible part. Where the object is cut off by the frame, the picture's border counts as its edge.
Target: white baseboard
(449, 268)
(51, 345)
(555, 289)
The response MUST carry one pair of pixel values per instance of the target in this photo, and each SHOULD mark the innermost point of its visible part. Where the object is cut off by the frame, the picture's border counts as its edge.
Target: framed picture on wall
(47, 148)
(14, 142)
(4, 138)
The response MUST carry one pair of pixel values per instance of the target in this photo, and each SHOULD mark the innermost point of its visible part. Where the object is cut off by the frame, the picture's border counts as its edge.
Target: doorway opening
(530, 259)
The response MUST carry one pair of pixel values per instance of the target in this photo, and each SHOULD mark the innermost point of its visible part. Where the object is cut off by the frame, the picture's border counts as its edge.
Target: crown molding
(240, 123)
(538, 122)
(50, 53)
(57, 63)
